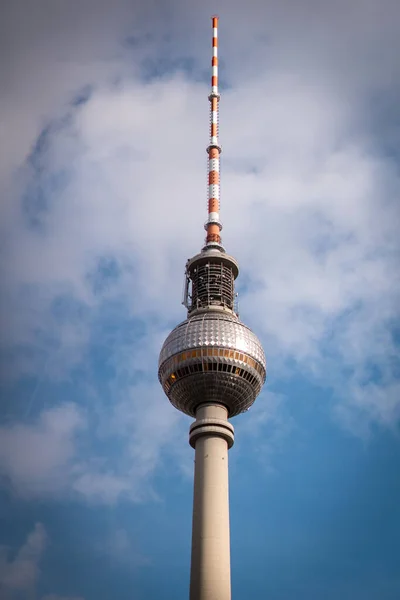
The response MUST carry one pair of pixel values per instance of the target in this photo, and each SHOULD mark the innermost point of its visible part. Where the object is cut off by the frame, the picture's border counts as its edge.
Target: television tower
(211, 367)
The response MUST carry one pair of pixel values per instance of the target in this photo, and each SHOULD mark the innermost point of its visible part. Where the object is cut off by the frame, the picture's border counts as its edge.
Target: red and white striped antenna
(213, 225)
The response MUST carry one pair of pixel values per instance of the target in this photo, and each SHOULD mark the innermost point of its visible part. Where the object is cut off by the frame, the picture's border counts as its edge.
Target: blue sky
(104, 125)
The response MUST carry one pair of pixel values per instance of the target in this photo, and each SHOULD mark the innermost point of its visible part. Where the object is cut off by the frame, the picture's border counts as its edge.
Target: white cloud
(20, 575)
(119, 547)
(34, 458)
(96, 456)
(309, 204)
(141, 430)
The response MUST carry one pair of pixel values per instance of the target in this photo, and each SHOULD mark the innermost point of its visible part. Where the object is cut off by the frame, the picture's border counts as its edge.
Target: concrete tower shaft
(211, 435)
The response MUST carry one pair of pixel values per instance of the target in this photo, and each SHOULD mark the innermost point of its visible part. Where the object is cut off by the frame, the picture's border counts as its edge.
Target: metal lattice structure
(210, 281)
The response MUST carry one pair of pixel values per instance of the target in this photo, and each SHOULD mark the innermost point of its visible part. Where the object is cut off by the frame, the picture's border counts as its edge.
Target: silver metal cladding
(212, 329)
(212, 357)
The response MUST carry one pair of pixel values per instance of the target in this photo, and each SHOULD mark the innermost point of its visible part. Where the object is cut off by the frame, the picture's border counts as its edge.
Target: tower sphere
(212, 357)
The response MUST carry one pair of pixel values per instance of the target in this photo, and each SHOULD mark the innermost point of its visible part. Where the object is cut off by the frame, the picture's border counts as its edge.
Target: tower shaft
(211, 435)
(212, 367)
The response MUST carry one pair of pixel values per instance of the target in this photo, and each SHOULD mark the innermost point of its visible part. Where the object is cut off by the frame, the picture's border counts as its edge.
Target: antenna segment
(213, 225)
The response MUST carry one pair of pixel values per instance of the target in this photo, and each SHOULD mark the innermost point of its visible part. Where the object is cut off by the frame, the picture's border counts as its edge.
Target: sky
(103, 126)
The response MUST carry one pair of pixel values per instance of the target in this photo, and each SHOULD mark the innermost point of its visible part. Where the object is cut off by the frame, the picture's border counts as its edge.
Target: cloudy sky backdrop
(103, 126)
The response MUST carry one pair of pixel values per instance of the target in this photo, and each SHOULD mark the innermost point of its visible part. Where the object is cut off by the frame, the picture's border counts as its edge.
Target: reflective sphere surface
(212, 357)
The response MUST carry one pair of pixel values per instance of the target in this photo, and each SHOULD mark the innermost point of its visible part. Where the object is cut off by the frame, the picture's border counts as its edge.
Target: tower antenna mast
(213, 225)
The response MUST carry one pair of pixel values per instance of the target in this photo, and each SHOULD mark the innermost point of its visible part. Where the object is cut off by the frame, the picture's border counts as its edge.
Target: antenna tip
(215, 17)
